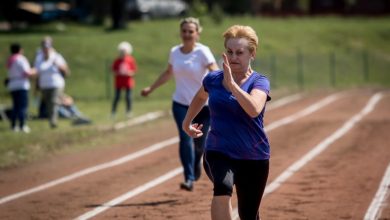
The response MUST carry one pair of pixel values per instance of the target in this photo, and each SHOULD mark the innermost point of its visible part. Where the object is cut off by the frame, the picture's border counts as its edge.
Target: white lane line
(283, 101)
(120, 125)
(378, 202)
(92, 169)
(296, 116)
(312, 108)
(131, 194)
(323, 145)
(139, 120)
(319, 148)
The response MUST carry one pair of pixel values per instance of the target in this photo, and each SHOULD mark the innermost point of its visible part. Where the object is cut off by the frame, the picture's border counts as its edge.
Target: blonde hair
(191, 20)
(241, 31)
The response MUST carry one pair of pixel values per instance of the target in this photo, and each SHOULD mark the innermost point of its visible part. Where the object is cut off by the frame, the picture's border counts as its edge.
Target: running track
(329, 161)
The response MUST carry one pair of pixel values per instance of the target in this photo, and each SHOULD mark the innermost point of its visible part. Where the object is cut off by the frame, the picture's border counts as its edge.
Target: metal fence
(298, 70)
(301, 70)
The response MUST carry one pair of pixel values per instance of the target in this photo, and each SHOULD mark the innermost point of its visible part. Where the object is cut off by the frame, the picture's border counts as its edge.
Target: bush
(217, 14)
(198, 9)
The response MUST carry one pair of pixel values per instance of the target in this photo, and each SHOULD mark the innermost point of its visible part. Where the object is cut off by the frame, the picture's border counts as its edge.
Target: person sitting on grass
(66, 109)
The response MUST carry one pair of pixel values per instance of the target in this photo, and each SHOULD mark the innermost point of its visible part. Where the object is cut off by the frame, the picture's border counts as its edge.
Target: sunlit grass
(90, 51)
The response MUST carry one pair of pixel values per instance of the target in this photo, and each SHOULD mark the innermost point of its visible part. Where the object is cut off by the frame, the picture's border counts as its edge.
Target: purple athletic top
(232, 131)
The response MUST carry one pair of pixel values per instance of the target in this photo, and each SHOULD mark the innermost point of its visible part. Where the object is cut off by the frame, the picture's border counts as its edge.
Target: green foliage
(198, 9)
(217, 14)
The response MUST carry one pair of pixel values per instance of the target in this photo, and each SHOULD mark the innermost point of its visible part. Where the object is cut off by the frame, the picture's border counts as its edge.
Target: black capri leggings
(249, 177)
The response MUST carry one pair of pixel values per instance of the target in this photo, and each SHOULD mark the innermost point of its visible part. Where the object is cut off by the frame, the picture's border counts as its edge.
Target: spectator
(237, 150)
(52, 69)
(124, 68)
(66, 109)
(188, 62)
(19, 71)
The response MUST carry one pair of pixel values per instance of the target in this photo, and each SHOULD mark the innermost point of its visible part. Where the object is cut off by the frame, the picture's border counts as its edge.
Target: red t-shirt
(124, 64)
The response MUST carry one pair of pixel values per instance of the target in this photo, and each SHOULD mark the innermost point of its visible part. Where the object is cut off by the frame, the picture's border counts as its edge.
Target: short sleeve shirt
(18, 66)
(48, 72)
(232, 131)
(127, 63)
(189, 70)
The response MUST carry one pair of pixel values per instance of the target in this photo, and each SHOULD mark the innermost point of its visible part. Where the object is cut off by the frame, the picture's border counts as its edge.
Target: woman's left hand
(194, 130)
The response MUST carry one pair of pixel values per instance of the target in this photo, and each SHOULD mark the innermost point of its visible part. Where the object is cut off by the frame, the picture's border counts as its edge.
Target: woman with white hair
(124, 68)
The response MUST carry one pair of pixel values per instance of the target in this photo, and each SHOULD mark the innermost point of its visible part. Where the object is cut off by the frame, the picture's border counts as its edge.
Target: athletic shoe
(26, 129)
(129, 114)
(187, 185)
(15, 129)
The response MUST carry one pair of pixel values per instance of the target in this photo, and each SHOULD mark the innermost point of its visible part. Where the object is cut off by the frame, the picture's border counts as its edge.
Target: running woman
(188, 63)
(237, 150)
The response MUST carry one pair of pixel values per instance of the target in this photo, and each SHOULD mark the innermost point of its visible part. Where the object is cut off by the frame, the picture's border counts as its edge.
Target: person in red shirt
(124, 67)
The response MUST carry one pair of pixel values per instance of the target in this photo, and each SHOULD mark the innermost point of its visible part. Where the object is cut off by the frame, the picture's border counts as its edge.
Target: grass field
(285, 44)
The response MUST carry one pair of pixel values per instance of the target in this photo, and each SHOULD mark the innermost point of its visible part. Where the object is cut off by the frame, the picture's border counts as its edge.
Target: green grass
(90, 51)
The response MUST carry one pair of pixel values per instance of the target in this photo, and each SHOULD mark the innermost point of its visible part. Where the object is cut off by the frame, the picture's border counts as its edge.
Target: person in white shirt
(52, 70)
(19, 71)
(188, 63)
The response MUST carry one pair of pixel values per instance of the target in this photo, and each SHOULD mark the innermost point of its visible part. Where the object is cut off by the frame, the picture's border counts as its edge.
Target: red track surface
(339, 183)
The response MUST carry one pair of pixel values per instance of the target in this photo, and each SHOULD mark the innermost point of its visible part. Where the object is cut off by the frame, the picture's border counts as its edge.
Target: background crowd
(48, 76)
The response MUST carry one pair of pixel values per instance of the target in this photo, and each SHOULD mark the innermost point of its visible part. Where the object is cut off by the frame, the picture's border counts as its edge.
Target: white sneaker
(112, 116)
(26, 129)
(129, 114)
(15, 129)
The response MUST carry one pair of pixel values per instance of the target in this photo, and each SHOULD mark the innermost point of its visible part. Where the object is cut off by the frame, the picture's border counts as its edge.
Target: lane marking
(131, 194)
(378, 202)
(139, 120)
(296, 116)
(312, 108)
(283, 101)
(319, 148)
(92, 169)
(132, 122)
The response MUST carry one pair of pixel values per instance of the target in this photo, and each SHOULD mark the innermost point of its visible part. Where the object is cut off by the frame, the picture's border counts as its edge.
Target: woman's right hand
(227, 73)
(146, 91)
(194, 130)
